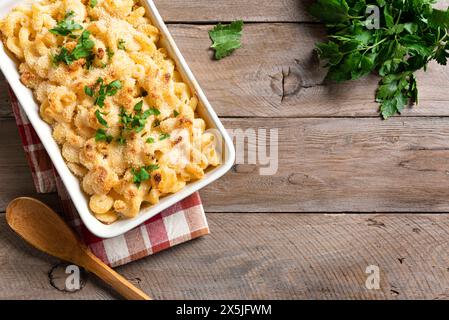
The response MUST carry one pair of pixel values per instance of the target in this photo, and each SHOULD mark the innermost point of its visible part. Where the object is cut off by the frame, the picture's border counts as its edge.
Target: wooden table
(351, 190)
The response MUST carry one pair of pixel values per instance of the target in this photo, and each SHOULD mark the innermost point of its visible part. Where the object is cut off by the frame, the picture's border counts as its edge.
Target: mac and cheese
(119, 109)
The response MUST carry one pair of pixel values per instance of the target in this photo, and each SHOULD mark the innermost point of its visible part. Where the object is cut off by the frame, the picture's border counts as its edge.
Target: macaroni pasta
(119, 109)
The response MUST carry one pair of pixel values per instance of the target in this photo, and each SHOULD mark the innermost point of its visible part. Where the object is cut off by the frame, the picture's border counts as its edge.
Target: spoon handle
(116, 281)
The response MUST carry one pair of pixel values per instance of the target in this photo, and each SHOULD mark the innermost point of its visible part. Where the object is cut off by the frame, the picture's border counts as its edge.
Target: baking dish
(9, 67)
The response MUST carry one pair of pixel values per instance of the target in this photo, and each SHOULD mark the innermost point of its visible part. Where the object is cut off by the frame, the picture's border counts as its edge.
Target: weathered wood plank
(325, 165)
(15, 175)
(230, 10)
(268, 256)
(276, 74)
(339, 165)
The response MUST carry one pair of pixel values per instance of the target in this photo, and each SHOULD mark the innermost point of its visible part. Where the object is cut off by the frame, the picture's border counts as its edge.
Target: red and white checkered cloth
(181, 222)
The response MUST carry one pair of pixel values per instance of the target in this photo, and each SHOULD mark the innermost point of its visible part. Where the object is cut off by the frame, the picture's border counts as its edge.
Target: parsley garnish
(121, 140)
(150, 140)
(121, 44)
(411, 34)
(63, 56)
(110, 53)
(66, 26)
(106, 90)
(89, 91)
(175, 113)
(93, 3)
(164, 136)
(226, 38)
(142, 174)
(100, 118)
(137, 121)
(101, 135)
(138, 106)
(83, 49)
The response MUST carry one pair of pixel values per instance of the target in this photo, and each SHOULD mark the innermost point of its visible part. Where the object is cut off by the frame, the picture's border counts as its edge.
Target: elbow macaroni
(122, 168)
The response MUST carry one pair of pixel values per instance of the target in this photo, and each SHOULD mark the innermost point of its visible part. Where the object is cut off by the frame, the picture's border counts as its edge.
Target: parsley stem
(374, 45)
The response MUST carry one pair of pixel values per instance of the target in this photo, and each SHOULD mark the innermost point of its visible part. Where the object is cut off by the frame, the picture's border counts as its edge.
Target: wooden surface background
(351, 190)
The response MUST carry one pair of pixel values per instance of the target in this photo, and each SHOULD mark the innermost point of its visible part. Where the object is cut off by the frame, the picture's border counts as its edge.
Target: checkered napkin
(181, 222)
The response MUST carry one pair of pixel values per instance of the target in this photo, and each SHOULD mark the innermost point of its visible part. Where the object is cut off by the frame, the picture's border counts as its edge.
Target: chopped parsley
(83, 49)
(93, 3)
(100, 118)
(89, 91)
(121, 140)
(138, 106)
(150, 140)
(175, 113)
(142, 174)
(164, 136)
(66, 26)
(106, 90)
(101, 135)
(121, 44)
(63, 56)
(110, 53)
(137, 121)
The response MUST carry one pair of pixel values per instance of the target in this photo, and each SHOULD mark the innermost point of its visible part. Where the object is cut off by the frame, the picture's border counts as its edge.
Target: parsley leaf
(121, 44)
(121, 140)
(83, 49)
(226, 38)
(89, 91)
(63, 56)
(175, 113)
(143, 173)
(100, 119)
(66, 26)
(330, 11)
(138, 106)
(137, 121)
(150, 140)
(110, 53)
(106, 90)
(101, 135)
(113, 87)
(93, 3)
(164, 136)
(84, 46)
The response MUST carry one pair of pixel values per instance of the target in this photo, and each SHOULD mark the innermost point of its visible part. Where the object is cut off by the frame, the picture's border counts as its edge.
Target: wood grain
(200, 11)
(15, 174)
(342, 165)
(277, 74)
(325, 165)
(268, 256)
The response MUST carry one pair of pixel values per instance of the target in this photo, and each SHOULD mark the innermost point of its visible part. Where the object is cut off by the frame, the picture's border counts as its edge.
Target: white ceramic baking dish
(10, 70)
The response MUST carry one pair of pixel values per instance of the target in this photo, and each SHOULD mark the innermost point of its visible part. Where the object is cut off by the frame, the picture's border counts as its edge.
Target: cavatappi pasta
(123, 117)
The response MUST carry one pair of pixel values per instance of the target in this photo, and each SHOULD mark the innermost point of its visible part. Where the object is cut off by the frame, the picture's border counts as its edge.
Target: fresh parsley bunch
(411, 33)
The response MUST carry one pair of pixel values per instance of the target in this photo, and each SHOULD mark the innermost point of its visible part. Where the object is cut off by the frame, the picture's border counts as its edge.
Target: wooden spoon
(44, 229)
